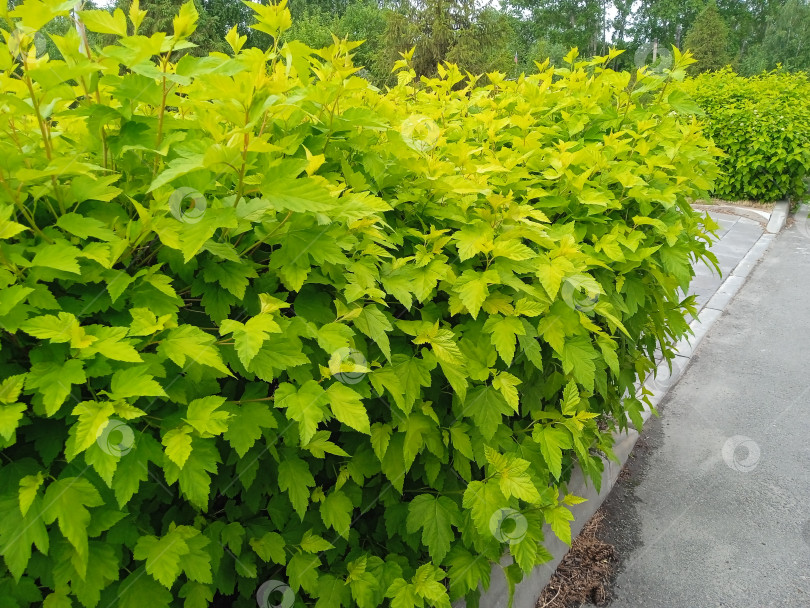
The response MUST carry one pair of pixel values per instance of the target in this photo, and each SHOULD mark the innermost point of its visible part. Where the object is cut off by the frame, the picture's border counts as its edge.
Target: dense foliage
(762, 123)
(261, 322)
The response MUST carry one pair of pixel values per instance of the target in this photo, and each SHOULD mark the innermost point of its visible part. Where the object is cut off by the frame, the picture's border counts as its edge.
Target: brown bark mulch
(584, 573)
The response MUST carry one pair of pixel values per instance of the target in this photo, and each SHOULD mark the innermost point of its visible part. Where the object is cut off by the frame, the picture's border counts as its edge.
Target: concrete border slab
(778, 217)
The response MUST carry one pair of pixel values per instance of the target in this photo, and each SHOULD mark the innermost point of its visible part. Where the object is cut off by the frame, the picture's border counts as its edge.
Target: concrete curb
(778, 217)
(529, 590)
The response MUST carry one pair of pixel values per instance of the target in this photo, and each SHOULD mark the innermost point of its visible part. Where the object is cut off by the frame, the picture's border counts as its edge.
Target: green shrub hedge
(269, 333)
(762, 123)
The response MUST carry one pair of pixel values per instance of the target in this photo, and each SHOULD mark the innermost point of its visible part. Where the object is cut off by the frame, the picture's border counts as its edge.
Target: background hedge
(762, 123)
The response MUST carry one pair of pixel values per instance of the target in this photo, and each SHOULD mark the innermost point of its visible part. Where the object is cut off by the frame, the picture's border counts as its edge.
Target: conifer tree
(708, 40)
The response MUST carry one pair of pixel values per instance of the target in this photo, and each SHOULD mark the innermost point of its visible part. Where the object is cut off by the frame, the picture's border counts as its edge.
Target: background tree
(620, 23)
(579, 23)
(314, 27)
(664, 20)
(746, 21)
(758, 33)
(785, 40)
(365, 20)
(448, 30)
(211, 26)
(228, 13)
(708, 40)
(498, 53)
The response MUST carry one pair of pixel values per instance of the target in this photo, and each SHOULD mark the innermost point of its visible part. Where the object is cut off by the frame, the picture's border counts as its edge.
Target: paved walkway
(714, 507)
(737, 236)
